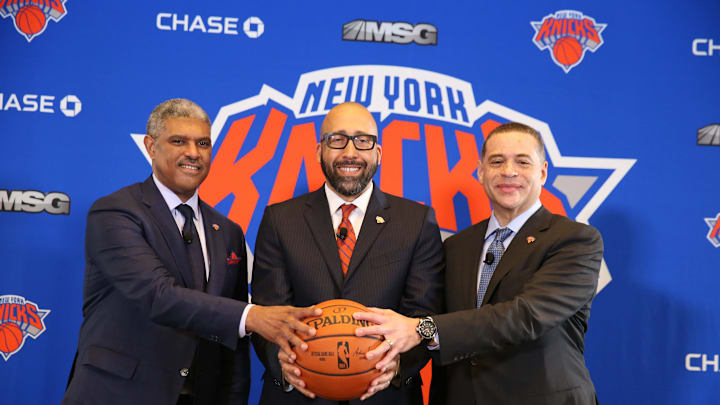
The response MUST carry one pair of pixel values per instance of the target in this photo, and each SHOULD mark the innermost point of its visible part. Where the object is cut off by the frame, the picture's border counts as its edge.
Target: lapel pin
(380, 220)
(215, 226)
(530, 239)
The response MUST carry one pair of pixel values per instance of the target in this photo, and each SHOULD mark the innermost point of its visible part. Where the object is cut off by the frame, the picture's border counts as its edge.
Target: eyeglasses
(335, 140)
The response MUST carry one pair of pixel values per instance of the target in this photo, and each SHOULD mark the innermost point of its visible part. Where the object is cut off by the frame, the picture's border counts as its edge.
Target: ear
(318, 152)
(379, 153)
(149, 142)
(480, 171)
(543, 173)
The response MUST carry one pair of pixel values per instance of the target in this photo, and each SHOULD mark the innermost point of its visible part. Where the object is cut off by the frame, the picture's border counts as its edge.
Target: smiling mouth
(349, 167)
(190, 167)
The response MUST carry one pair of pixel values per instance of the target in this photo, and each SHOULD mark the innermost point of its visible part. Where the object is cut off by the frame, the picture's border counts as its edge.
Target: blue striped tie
(497, 249)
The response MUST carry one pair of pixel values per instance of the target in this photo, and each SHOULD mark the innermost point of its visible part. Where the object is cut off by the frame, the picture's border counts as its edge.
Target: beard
(349, 186)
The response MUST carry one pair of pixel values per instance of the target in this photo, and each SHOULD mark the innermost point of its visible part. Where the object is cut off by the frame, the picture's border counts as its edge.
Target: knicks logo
(19, 318)
(568, 34)
(713, 235)
(431, 131)
(31, 16)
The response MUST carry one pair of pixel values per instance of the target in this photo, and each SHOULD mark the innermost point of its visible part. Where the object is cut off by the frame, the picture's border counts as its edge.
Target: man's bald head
(349, 117)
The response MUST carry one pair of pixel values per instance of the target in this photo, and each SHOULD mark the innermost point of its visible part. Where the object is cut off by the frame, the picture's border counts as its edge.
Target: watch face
(426, 329)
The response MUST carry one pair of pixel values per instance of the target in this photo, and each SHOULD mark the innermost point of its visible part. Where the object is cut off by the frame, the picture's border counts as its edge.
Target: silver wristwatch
(426, 328)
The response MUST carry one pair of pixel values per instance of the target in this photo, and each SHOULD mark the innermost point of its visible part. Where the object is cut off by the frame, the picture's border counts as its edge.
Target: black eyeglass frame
(349, 138)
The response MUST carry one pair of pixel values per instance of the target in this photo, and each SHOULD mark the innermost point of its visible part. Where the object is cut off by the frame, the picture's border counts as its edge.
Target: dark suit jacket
(397, 264)
(525, 344)
(143, 318)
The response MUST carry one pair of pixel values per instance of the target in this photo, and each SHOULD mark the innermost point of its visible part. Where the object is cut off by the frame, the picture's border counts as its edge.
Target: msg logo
(33, 201)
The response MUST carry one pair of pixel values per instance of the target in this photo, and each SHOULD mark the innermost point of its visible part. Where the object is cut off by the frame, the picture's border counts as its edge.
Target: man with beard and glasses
(348, 240)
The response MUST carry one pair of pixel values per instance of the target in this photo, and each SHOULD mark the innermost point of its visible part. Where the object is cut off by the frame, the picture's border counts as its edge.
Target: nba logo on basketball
(19, 318)
(31, 16)
(568, 34)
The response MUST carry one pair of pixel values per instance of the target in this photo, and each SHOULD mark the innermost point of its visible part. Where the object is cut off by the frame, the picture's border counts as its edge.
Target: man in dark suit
(165, 312)
(348, 240)
(518, 291)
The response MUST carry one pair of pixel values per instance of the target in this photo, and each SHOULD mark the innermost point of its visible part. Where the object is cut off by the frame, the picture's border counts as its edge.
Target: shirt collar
(515, 224)
(172, 200)
(361, 202)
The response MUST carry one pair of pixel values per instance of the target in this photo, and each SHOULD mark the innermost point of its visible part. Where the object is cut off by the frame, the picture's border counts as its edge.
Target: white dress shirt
(356, 216)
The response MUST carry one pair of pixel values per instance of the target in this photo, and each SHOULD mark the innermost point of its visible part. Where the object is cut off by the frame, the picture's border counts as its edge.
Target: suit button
(474, 363)
(276, 382)
(184, 372)
(409, 381)
(215, 338)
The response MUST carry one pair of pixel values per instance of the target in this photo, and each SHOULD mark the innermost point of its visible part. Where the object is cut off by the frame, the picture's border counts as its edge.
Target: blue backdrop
(624, 94)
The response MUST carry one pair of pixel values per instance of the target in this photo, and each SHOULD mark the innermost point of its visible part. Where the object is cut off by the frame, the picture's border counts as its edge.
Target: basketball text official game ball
(334, 366)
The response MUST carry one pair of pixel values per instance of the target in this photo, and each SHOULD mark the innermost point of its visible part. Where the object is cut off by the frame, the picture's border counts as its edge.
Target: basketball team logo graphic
(19, 318)
(568, 35)
(31, 16)
(713, 235)
(431, 130)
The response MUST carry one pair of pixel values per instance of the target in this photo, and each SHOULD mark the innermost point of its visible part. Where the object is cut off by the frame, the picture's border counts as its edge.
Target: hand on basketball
(398, 330)
(278, 323)
(383, 381)
(291, 374)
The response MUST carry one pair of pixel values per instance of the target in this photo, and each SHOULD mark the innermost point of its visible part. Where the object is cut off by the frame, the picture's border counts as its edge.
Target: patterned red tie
(346, 240)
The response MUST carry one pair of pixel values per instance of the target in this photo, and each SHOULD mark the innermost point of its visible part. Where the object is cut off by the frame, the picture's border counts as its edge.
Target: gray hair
(517, 127)
(174, 108)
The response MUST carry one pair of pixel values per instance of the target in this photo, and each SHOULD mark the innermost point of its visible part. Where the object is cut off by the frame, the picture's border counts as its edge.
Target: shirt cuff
(241, 330)
(435, 344)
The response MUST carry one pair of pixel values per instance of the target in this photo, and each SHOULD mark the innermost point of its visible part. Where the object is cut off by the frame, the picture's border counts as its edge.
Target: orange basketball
(10, 337)
(334, 366)
(30, 20)
(567, 51)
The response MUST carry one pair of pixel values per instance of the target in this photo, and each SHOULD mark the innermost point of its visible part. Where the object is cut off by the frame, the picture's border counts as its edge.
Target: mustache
(360, 163)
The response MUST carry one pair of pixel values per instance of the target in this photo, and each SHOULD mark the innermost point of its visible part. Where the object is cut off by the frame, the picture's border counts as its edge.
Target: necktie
(194, 249)
(346, 240)
(497, 249)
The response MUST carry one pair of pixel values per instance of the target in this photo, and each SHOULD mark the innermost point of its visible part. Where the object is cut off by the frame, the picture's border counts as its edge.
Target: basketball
(334, 366)
(10, 337)
(567, 51)
(30, 20)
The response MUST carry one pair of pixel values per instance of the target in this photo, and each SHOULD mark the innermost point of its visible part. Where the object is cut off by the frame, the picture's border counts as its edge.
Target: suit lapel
(519, 248)
(470, 278)
(378, 206)
(215, 245)
(159, 210)
(317, 216)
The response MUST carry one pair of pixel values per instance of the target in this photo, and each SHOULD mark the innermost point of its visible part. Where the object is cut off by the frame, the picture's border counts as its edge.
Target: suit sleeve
(116, 243)
(423, 290)
(564, 283)
(270, 285)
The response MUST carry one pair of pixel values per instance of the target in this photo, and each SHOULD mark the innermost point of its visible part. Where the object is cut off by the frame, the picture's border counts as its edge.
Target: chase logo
(391, 32)
(431, 130)
(568, 34)
(19, 318)
(31, 16)
(713, 235)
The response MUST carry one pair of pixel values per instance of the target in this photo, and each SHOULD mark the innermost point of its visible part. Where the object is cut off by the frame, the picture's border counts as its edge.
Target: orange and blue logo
(713, 235)
(19, 318)
(31, 16)
(568, 35)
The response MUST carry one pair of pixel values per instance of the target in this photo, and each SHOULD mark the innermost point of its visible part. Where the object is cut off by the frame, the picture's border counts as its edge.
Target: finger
(371, 316)
(305, 391)
(389, 357)
(285, 347)
(302, 328)
(378, 351)
(284, 358)
(296, 381)
(373, 330)
(306, 312)
(290, 370)
(297, 342)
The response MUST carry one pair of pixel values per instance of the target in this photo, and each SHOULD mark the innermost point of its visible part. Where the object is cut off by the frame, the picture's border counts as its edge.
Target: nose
(508, 169)
(192, 151)
(350, 150)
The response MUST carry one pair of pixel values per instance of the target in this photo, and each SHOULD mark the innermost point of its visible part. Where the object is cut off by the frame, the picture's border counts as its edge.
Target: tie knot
(186, 211)
(347, 209)
(502, 234)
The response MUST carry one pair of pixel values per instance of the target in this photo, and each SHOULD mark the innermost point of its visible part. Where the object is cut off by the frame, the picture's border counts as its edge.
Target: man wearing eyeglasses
(348, 240)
